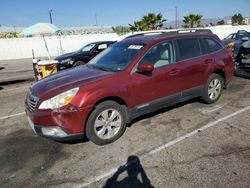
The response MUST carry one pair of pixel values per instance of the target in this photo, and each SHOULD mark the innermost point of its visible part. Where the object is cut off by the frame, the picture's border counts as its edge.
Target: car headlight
(69, 61)
(59, 100)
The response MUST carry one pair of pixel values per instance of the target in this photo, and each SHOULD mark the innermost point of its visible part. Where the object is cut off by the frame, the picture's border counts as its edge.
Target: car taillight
(229, 52)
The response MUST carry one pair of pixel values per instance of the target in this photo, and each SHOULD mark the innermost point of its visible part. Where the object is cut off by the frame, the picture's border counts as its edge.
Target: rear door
(193, 65)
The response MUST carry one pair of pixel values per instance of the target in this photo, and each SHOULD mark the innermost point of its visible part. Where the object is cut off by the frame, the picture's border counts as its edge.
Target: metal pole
(176, 19)
(96, 22)
(50, 16)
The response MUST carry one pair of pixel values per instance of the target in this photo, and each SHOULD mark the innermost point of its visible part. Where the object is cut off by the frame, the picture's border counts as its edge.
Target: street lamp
(50, 16)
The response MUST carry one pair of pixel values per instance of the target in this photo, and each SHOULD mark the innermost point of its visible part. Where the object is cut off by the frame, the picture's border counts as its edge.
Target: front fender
(94, 96)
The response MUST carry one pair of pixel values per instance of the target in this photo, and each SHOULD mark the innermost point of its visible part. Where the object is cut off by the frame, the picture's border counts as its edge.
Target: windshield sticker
(135, 47)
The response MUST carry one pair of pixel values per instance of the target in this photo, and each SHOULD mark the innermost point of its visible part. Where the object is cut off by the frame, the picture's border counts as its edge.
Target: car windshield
(230, 36)
(87, 48)
(116, 58)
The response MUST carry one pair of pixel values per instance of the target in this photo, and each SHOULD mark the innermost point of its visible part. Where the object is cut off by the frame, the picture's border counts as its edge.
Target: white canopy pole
(46, 46)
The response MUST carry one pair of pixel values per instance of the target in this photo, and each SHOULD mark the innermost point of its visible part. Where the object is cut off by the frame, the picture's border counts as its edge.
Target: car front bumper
(64, 124)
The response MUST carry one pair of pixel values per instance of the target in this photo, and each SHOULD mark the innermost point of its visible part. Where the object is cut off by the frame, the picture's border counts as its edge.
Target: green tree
(150, 21)
(153, 21)
(120, 30)
(237, 19)
(192, 20)
(220, 22)
(138, 26)
(12, 35)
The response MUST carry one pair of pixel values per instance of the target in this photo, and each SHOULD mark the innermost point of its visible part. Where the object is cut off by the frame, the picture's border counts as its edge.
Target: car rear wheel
(106, 123)
(79, 63)
(213, 89)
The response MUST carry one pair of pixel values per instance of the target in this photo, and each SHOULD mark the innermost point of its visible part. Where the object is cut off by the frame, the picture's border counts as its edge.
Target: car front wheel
(79, 63)
(106, 123)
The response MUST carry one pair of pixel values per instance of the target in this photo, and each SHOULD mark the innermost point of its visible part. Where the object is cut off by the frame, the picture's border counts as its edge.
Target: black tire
(79, 63)
(206, 97)
(96, 116)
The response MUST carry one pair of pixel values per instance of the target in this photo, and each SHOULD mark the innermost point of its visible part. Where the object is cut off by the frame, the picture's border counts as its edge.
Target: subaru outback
(135, 76)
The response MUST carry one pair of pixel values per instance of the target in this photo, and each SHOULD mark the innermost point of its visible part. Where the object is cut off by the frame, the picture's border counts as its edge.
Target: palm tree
(138, 26)
(153, 21)
(192, 19)
(150, 21)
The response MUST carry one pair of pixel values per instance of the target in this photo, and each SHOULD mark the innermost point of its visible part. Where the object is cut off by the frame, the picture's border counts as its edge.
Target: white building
(246, 21)
(229, 22)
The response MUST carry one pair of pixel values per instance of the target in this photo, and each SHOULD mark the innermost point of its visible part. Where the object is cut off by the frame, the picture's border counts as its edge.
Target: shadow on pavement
(135, 176)
(163, 110)
(14, 82)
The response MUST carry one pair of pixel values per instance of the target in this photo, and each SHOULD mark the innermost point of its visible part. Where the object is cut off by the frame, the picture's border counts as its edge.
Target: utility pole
(176, 17)
(50, 16)
(96, 21)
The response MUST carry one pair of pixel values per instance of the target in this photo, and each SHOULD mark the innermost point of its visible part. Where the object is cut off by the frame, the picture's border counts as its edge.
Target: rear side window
(211, 45)
(187, 48)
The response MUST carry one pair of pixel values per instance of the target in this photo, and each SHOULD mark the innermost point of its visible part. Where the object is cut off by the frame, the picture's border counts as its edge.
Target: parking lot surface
(188, 145)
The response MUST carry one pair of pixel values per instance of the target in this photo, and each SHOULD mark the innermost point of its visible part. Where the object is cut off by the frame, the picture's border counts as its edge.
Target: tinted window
(241, 34)
(87, 48)
(212, 45)
(188, 48)
(160, 55)
(231, 36)
(102, 46)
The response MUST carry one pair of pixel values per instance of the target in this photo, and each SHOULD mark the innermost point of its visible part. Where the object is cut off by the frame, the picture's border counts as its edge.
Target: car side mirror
(145, 67)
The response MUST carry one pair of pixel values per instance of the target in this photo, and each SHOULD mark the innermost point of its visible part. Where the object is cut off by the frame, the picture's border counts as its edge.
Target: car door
(161, 86)
(192, 66)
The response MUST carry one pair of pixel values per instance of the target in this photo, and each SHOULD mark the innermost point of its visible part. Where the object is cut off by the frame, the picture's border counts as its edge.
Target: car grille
(32, 100)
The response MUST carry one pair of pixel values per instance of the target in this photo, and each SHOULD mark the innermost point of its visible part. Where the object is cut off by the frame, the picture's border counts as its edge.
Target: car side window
(160, 55)
(212, 45)
(188, 48)
(102, 46)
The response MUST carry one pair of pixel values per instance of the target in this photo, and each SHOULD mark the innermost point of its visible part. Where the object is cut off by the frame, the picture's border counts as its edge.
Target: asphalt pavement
(15, 71)
(188, 145)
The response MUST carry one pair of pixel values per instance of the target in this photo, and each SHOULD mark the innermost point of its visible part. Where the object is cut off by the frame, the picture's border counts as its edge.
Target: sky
(111, 12)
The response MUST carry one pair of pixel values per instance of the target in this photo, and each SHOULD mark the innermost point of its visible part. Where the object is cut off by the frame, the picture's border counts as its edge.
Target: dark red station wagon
(138, 75)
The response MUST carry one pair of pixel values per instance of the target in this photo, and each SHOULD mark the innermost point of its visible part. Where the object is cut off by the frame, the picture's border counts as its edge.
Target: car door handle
(174, 71)
(207, 61)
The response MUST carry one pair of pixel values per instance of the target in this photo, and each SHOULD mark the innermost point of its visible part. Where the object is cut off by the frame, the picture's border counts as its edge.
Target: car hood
(68, 79)
(68, 55)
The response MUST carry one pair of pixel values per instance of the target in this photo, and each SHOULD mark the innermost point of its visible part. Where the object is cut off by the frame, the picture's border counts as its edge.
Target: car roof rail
(200, 31)
(146, 34)
(181, 31)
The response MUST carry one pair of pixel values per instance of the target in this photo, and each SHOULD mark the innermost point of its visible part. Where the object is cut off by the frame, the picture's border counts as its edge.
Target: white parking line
(160, 148)
(13, 115)
(209, 110)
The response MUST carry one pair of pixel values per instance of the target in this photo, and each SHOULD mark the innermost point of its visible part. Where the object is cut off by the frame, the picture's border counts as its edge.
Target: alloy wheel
(214, 89)
(108, 123)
